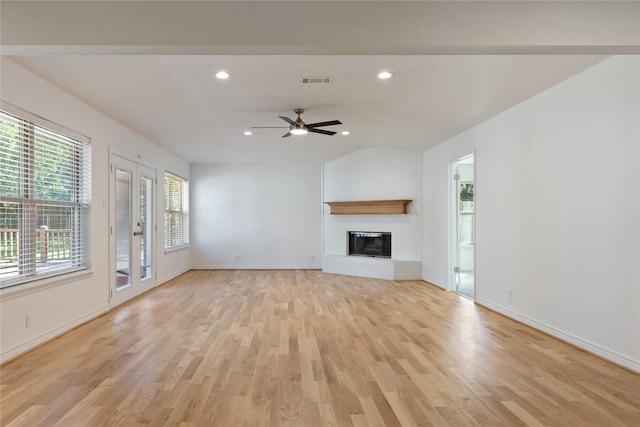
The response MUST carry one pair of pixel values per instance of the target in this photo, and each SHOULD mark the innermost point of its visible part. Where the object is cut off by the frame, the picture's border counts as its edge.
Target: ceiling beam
(319, 27)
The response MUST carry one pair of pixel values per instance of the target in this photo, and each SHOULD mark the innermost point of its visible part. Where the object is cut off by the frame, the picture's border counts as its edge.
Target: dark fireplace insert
(370, 243)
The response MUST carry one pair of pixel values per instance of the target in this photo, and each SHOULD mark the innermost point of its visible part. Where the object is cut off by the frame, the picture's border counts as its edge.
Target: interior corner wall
(56, 309)
(256, 216)
(557, 210)
(375, 174)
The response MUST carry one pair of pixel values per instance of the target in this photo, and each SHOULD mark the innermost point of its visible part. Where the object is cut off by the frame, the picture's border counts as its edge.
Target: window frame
(173, 231)
(38, 136)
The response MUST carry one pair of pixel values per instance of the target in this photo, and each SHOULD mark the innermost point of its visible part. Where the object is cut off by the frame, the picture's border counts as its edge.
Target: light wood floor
(303, 348)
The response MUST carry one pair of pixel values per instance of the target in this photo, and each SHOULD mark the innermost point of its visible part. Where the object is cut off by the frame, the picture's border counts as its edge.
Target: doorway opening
(463, 221)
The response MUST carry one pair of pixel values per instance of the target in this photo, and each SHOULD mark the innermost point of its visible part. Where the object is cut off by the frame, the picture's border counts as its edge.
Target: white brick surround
(375, 174)
(379, 268)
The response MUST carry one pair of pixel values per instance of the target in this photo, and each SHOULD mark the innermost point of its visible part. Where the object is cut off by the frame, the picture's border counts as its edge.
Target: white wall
(375, 174)
(61, 307)
(557, 210)
(269, 215)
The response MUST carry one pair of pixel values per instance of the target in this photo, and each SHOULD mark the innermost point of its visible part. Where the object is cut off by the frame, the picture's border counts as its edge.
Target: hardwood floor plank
(304, 348)
(527, 418)
(371, 415)
(33, 416)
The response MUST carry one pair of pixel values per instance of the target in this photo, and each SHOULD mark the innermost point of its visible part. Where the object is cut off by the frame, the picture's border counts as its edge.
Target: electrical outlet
(313, 258)
(238, 258)
(28, 320)
(509, 295)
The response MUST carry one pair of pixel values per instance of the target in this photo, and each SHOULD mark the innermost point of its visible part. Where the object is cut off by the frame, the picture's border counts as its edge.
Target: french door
(132, 229)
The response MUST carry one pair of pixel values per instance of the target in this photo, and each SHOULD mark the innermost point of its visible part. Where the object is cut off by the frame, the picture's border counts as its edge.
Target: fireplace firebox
(370, 243)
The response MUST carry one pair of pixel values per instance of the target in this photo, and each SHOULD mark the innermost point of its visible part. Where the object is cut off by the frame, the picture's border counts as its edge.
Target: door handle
(137, 233)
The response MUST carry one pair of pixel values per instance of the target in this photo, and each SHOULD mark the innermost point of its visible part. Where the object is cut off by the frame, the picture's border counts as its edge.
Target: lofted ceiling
(177, 102)
(151, 65)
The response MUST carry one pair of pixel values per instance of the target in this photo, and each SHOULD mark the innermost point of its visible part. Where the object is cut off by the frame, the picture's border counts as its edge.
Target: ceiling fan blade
(322, 131)
(269, 127)
(288, 120)
(286, 135)
(320, 124)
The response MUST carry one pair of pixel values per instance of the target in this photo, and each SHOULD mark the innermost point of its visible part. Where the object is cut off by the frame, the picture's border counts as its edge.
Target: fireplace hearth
(369, 243)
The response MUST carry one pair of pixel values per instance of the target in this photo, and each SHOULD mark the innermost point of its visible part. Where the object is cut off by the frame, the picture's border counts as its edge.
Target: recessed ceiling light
(222, 75)
(248, 132)
(385, 75)
(345, 132)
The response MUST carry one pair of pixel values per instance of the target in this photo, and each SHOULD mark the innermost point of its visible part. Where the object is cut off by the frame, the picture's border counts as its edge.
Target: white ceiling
(151, 65)
(177, 102)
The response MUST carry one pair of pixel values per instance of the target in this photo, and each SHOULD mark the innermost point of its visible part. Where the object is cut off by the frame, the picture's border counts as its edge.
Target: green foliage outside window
(466, 192)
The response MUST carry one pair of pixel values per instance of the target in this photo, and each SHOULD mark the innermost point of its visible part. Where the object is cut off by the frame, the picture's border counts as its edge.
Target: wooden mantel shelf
(366, 207)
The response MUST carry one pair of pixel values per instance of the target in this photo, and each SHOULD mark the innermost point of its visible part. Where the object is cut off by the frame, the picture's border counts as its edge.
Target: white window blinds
(175, 211)
(45, 184)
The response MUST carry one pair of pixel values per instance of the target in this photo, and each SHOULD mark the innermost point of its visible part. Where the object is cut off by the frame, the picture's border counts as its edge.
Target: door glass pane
(123, 227)
(465, 218)
(146, 214)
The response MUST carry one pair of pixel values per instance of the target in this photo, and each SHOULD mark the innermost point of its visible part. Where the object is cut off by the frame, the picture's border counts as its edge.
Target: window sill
(41, 284)
(175, 248)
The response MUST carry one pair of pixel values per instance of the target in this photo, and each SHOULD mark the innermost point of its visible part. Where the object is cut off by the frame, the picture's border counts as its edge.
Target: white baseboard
(434, 282)
(173, 275)
(605, 353)
(47, 336)
(256, 267)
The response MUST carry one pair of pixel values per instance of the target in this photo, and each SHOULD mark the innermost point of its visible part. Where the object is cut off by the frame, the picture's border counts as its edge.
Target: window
(44, 198)
(175, 211)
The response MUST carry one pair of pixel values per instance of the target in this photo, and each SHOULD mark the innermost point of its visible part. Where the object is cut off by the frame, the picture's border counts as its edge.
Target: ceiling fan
(298, 127)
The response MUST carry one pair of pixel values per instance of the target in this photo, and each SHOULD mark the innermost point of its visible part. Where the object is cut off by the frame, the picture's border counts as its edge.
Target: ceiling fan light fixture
(298, 127)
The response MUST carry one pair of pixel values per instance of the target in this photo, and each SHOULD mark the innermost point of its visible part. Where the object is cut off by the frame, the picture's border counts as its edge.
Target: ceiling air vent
(310, 80)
